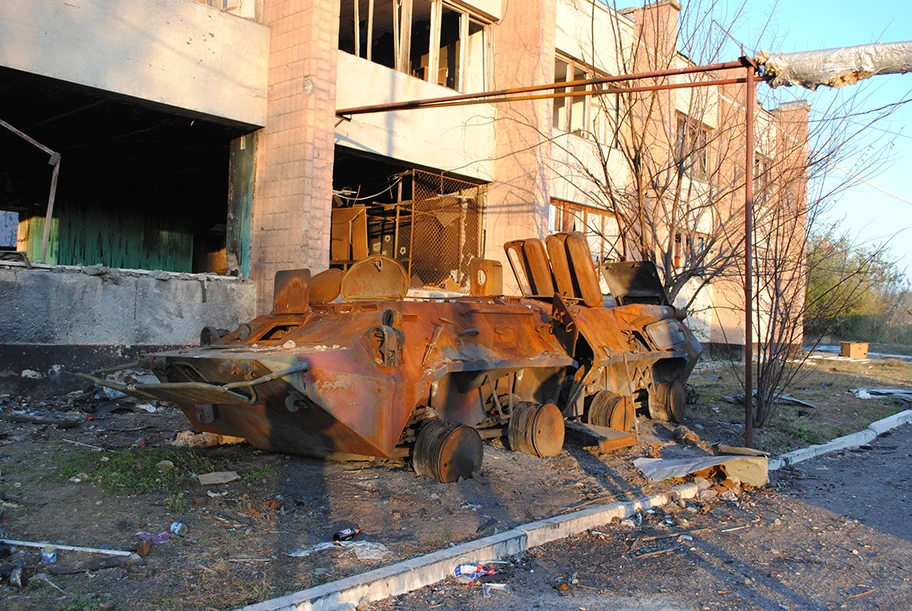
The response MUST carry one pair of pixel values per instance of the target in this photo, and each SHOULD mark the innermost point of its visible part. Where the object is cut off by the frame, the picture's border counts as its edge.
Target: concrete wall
(292, 202)
(102, 306)
(174, 52)
(519, 202)
(459, 138)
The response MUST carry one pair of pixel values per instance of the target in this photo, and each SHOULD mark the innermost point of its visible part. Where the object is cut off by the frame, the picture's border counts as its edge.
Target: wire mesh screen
(447, 231)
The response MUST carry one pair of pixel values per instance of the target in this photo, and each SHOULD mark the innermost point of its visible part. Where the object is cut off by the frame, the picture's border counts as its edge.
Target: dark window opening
(139, 188)
(428, 39)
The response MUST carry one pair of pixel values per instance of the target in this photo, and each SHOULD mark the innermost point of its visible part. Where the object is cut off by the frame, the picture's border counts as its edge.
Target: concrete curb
(874, 430)
(416, 573)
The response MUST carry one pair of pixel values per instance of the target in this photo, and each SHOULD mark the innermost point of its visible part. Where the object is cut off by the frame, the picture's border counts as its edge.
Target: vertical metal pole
(48, 217)
(750, 95)
(357, 4)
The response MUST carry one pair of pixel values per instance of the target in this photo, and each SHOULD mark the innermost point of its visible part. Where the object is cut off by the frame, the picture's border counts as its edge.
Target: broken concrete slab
(218, 477)
(752, 470)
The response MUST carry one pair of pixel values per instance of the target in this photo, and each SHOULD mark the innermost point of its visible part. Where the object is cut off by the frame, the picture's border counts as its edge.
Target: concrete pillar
(519, 199)
(293, 196)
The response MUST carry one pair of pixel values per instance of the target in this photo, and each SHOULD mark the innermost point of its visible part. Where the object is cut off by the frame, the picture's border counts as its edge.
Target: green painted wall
(241, 173)
(115, 237)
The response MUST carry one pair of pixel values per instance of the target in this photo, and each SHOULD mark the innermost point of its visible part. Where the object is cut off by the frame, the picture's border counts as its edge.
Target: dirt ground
(239, 535)
(821, 536)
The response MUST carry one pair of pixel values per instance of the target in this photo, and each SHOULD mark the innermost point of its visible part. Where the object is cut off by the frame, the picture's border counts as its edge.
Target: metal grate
(446, 232)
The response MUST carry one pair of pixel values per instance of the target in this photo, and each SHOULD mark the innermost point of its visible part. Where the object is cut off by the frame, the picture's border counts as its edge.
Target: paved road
(831, 533)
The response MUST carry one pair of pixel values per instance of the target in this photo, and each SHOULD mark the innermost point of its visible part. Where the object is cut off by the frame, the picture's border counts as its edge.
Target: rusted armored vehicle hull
(346, 366)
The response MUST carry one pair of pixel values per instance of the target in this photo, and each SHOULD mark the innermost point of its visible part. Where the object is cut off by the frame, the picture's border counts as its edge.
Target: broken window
(584, 115)
(428, 39)
(599, 226)
(763, 169)
(691, 146)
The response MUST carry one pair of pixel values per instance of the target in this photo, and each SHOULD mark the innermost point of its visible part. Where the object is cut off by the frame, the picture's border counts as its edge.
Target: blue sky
(803, 25)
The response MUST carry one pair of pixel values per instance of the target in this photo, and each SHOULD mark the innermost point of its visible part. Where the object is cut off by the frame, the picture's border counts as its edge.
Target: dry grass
(825, 382)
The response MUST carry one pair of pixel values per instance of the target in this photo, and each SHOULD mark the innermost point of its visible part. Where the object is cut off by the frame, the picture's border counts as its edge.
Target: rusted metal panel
(290, 294)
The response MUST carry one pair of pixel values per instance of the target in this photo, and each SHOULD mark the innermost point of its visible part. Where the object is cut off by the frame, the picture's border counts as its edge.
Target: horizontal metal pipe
(390, 106)
(576, 94)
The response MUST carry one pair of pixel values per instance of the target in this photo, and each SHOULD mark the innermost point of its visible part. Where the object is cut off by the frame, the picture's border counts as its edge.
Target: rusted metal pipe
(749, 95)
(391, 106)
(576, 94)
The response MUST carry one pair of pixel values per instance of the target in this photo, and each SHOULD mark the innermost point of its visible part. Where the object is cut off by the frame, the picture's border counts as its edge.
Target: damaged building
(200, 152)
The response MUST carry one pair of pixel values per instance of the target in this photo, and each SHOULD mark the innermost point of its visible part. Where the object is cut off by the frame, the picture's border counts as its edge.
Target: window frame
(404, 34)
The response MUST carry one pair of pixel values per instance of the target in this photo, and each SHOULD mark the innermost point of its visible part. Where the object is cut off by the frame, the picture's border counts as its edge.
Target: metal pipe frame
(501, 93)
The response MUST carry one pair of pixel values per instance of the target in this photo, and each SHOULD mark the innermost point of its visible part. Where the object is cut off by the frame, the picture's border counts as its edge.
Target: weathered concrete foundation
(57, 320)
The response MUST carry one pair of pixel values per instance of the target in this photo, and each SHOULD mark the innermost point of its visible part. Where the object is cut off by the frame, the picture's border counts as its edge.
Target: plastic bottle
(346, 533)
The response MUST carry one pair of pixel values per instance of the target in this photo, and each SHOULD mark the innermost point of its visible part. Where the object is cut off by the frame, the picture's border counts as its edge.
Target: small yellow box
(853, 350)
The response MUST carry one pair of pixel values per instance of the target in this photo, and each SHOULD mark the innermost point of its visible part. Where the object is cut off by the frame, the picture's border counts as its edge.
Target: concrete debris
(686, 436)
(751, 470)
(218, 477)
(867, 393)
(189, 439)
(738, 399)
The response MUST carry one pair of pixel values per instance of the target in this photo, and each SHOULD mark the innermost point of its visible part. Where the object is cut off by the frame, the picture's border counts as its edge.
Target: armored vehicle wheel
(447, 451)
(668, 402)
(612, 410)
(536, 429)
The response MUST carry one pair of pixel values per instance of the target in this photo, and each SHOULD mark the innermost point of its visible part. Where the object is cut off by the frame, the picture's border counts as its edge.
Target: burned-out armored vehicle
(348, 366)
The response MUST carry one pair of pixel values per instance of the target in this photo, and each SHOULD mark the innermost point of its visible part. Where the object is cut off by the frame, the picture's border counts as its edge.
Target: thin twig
(658, 553)
(678, 534)
(85, 445)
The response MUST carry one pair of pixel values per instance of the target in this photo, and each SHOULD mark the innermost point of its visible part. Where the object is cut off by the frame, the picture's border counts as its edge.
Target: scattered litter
(48, 554)
(189, 439)
(31, 374)
(867, 393)
(307, 551)
(179, 528)
(366, 550)
(218, 477)
(14, 574)
(214, 495)
(488, 588)
(155, 538)
(468, 572)
(738, 399)
(732, 529)
(346, 533)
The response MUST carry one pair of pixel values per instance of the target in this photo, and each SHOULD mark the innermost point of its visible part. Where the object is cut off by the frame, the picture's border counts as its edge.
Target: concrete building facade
(201, 137)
